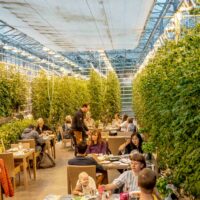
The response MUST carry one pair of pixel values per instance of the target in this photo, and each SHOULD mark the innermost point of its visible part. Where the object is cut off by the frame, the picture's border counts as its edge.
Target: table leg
(54, 148)
(34, 165)
(25, 173)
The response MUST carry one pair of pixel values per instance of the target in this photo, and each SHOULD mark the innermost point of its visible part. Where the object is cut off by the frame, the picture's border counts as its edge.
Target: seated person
(96, 145)
(85, 185)
(89, 122)
(147, 182)
(134, 144)
(129, 179)
(66, 128)
(41, 127)
(31, 133)
(116, 121)
(82, 159)
(124, 124)
(131, 127)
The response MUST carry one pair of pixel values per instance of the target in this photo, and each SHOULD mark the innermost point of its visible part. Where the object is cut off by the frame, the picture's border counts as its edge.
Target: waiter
(78, 121)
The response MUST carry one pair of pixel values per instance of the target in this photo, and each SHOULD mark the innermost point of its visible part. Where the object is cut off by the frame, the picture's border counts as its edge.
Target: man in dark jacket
(31, 133)
(81, 158)
(78, 121)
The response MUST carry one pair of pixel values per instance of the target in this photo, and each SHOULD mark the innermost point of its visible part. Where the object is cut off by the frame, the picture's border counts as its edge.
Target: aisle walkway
(49, 181)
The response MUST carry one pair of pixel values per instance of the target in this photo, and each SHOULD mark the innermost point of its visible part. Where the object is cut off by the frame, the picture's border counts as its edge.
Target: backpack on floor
(45, 161)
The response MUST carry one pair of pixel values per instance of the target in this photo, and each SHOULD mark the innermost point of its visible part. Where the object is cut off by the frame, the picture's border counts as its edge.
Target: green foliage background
(13, 90)
(55, 97)
(12, 131)
(112, 101)
(96, 88)
(166, 98)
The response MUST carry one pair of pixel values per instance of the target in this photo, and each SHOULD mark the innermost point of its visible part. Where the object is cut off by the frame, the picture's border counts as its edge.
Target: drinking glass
(20, 146)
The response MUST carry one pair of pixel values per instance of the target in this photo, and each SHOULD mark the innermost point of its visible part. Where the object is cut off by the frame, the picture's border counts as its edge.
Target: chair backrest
(25, 145)
(9, 163)
(114, 143)
(2, 147)
(74, 170)
(30, 141)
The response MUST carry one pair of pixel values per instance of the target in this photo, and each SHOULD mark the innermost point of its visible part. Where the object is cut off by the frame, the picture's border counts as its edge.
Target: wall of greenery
(12, 131)
(13, 90)
(54, 97)
(112, 101)
(96, 86)
(166, 98)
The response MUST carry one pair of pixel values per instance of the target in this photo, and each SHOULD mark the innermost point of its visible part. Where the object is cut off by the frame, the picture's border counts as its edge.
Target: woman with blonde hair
(96, 144)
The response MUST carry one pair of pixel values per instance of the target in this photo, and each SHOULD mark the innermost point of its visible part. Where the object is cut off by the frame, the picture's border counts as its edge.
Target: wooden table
(111, 165)
(69, 197)
(23, 157)
(48, 140)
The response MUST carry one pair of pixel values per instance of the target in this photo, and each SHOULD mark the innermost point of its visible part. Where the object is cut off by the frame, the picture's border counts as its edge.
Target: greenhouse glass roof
(101, 34)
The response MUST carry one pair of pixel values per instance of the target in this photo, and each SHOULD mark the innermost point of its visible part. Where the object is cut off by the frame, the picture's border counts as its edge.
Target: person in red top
(5, 180)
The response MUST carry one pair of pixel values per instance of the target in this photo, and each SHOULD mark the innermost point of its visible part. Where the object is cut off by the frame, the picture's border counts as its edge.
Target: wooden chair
(114, 143)
(74, 170)
(2, 146)
(13, 169)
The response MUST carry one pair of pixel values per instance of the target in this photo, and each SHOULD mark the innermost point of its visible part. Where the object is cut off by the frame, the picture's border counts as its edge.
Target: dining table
(86, 197)
(50, 140)
(112, 162)
(23, 155)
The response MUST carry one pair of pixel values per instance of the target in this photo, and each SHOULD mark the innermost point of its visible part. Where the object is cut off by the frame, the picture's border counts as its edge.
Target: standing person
(78, 121)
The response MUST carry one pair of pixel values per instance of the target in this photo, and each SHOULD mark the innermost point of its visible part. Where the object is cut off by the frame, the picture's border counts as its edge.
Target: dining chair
(74, 170)
(2, 145)
(13, 168)
(114, 143)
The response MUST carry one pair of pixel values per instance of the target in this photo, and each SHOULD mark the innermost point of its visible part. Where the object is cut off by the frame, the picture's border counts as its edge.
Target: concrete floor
(52, 180)
(49, 181)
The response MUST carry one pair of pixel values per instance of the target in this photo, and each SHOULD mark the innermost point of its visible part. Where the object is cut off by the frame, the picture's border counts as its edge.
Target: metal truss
(22, 42)
(155, 25)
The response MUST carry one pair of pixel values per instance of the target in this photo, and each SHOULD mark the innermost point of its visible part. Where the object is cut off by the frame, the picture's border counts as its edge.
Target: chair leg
(14, 183)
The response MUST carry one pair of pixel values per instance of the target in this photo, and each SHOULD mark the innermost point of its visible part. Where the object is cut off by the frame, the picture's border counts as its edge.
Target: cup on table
(20, 146)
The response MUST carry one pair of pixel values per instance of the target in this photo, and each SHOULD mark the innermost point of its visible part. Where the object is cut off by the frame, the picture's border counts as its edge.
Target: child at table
(147, 182)
(85, 185)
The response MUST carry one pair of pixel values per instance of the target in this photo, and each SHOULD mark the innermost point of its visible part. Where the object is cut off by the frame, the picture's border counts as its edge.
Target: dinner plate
(116, 162)
(13, 150)
(101, 158)
(105, 162)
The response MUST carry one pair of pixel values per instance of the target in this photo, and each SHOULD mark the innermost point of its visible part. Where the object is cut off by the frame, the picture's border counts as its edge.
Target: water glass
(20, 146)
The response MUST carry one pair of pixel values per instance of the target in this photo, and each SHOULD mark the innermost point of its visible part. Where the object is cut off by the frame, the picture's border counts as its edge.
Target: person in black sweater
(78, 121)
(82, 159)
(133, 144)
(41, 127)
